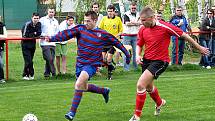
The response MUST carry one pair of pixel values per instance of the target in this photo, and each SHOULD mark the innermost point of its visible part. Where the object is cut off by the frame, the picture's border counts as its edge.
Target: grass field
(189, 94)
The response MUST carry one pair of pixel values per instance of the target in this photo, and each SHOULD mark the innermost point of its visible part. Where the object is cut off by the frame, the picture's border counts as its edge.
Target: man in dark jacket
(207, 25)
(31, 29)
(3, 35)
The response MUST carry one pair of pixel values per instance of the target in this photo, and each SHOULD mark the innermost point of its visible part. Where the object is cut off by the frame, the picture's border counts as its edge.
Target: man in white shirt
(131, 26)
(50, 27)
(61, 47)
(95, 8)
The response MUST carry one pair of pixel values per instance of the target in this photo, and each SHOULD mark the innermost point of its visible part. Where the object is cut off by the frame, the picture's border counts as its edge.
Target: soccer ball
(29, 117)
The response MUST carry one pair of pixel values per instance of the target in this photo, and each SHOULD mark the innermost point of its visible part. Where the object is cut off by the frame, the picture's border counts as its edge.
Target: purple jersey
(90, 44)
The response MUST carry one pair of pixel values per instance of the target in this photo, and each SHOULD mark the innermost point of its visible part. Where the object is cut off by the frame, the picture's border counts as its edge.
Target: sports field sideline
(189, 94)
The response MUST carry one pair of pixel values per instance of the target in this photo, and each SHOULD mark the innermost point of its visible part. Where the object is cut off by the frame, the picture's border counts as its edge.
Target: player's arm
(203, 50)
(115, 42)
(65, 35)
(139, 54)
(139, 48)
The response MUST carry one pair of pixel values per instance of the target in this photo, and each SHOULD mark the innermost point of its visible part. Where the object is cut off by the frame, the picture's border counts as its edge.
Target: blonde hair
(147, 11)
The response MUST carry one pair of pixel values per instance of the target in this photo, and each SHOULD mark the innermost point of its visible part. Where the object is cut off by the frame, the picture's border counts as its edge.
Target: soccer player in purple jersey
(90, 42)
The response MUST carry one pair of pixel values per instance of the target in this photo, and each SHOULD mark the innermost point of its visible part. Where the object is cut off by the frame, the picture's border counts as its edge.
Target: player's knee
(140, 88)
(79, 86)
(149, 90)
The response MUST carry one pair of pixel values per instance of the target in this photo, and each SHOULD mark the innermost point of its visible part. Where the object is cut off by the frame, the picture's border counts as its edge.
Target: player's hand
(128, 59)
(180, 22)
(139, 60)
(204, 50)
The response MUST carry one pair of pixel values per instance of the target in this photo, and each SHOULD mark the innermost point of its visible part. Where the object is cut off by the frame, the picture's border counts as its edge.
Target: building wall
(17, 12)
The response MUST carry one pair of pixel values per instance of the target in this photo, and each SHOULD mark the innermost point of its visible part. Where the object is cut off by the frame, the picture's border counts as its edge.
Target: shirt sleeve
(126, 18)
(115, 42)
(173, 30)
(66, 34)
(140, 40)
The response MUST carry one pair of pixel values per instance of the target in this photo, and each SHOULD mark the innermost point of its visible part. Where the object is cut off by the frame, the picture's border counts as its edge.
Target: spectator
(132, 25)
(113, 25)
(207, 25)
(61, 48)
(159, 16)
(3, 35)
(95, 8)
(90, 42)
(213, 8)
(31, 29)
(49, 27)
(180, 21)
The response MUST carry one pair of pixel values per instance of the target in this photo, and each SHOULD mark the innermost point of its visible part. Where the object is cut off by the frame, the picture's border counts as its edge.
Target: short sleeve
(172, 30)
(140, 40)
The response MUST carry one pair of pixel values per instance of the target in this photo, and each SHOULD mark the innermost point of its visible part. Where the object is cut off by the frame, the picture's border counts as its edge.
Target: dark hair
(95, 3)
(69, 17)
(210, 10)
(111, 6)
(35, 14)
(93, 14)
(159, 12)
(133, 3)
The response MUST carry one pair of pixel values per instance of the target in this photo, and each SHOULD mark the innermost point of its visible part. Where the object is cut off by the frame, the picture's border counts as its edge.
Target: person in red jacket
(154, 36)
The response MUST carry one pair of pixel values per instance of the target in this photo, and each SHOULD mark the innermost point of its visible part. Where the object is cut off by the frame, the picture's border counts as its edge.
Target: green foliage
(187, 66)
(85, 5)
(192, 10)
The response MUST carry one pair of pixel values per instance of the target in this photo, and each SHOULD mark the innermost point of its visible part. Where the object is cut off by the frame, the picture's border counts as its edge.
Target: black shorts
(110, 50)
(156, 67)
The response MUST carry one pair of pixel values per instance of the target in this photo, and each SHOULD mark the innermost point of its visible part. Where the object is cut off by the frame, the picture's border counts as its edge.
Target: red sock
(155, 96)
(140, 100)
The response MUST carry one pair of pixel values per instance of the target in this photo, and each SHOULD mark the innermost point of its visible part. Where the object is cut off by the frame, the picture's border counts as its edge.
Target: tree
(85, 5)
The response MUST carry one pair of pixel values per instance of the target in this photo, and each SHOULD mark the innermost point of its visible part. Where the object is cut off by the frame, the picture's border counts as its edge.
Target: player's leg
(145, 79)
(111, 51)
(80, 87)
(91, 70)
(156, 68)
(99, 90)
(154, 94)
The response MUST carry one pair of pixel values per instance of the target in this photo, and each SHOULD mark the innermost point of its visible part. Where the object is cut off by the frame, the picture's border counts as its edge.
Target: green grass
(189, 94)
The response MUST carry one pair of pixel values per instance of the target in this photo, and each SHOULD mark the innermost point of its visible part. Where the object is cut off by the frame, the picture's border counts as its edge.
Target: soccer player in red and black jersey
(155, 37)
(90, 42)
